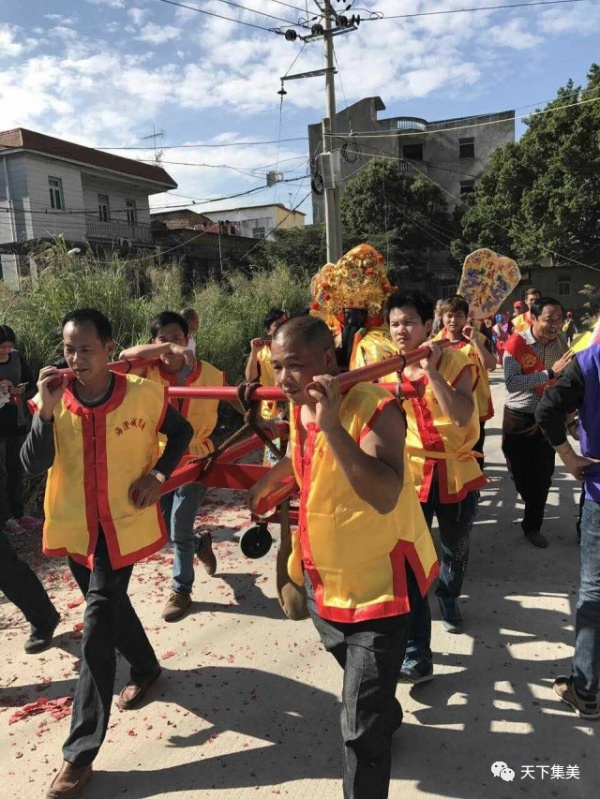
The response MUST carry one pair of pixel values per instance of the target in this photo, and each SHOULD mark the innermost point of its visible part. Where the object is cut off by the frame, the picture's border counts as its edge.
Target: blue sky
(103, 72)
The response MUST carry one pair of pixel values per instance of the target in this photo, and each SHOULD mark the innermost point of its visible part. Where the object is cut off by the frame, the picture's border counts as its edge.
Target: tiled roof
(21, 138)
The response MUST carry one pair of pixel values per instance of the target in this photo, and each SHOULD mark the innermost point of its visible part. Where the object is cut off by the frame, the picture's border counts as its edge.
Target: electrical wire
(459, 201)
(287, 5)
(466, 10)
(191, 201)
(209, 146)
(214, 14)
(260, 13)
(395, 134)
(278, 225)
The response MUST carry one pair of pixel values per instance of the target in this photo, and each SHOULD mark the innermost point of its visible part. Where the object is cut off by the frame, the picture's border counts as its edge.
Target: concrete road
(248, 704)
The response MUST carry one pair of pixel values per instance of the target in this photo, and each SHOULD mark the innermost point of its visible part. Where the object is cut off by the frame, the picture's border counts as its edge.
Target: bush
(231, 313)
(130, 292)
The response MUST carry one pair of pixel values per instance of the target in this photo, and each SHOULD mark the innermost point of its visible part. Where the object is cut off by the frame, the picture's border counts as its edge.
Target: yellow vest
(99, 453)
(521, 322)
(582, 341)
(269, 409)
(202, 414)
(376, 345)
(355, 556)
(432, 438)
(482, 389)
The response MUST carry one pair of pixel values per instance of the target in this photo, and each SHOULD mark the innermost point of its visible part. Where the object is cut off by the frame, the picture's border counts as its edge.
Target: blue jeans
(179, 510)
(455, 521)
(586, 663)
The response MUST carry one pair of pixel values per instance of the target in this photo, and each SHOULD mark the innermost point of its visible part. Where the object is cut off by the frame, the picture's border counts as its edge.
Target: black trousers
(478, 447)
(530, 458)
(11, 477)
(22, 588)
(110, 623)
(371, 654)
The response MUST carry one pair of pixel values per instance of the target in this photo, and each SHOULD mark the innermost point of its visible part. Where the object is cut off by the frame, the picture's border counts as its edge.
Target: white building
(258, 221)
(52, 187)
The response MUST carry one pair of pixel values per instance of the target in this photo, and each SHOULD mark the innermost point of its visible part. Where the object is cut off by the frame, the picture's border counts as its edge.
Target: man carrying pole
(362, 538)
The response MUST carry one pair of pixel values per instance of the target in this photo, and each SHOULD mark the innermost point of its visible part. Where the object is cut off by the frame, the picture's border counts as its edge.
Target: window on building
(57, 202)
(467, 186)
(258, 233)
(131, 211)
(413, 152)
(103, 208)
(466, 148)
(564, 287)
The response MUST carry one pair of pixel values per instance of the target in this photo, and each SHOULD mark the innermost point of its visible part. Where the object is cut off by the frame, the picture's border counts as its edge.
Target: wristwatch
(162, 478)
(551, 374)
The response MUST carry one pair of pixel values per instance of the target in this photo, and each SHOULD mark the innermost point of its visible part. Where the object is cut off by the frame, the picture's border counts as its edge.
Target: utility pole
(333, 24)
(333, 222)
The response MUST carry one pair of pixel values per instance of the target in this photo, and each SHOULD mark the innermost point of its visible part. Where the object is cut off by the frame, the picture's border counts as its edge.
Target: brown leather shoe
(204, 550)
(176, 606)
(70, 781)
(135, 691)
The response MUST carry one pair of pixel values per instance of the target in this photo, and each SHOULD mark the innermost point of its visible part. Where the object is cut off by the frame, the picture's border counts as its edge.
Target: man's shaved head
(302, 348)
(307, 331)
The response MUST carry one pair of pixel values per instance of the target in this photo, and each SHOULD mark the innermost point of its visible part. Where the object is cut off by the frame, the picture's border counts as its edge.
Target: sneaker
(585, 707)
(176, 606)
(41, 639)
(204, 550)
(452, 620)
(29, 522)
(12, 527)
(421, 671)
(536, 538)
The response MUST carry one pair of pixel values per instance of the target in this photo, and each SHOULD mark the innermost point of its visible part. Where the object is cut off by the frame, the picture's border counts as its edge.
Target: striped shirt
(520, 388)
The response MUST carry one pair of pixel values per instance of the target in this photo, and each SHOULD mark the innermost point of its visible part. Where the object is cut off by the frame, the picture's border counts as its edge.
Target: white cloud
(9, 44)
(157, 34)
(209, 70)
(513, 34)
(582, 19)
(109, 3)
(137, 15)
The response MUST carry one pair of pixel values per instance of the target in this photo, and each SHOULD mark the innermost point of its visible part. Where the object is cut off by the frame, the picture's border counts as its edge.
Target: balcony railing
(410, 123)
(412, 166)
(115, 230)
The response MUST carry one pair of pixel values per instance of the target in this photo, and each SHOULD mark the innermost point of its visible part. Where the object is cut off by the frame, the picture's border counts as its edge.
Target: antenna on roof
(160, 134)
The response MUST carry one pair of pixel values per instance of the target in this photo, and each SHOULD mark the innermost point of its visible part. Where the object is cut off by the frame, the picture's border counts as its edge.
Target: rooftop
(32, 141)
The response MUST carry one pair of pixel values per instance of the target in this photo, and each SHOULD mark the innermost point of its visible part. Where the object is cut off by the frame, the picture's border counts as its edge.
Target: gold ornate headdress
(358, 280)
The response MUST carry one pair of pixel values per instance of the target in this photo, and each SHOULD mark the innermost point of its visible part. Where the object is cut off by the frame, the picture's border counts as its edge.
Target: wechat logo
(503, 770)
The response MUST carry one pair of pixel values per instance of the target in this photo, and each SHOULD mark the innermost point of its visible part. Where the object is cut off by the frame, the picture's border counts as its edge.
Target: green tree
(302, 249)
(404, 216)
(541, 196)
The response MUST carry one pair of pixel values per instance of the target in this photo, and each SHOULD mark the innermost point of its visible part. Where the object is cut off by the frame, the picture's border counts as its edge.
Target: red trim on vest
(303, 458)
(95, 480)
(371, 423)
(431, 440)
(424, 581)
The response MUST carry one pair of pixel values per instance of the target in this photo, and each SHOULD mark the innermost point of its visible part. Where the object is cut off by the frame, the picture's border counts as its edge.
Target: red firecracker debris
(58, 708)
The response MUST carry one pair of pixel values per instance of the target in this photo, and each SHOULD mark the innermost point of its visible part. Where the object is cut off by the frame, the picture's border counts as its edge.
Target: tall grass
(131, 291)
(231, 313)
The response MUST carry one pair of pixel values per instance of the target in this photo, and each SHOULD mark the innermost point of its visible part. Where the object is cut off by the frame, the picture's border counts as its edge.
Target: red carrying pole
(347, 380)
(121, 367)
